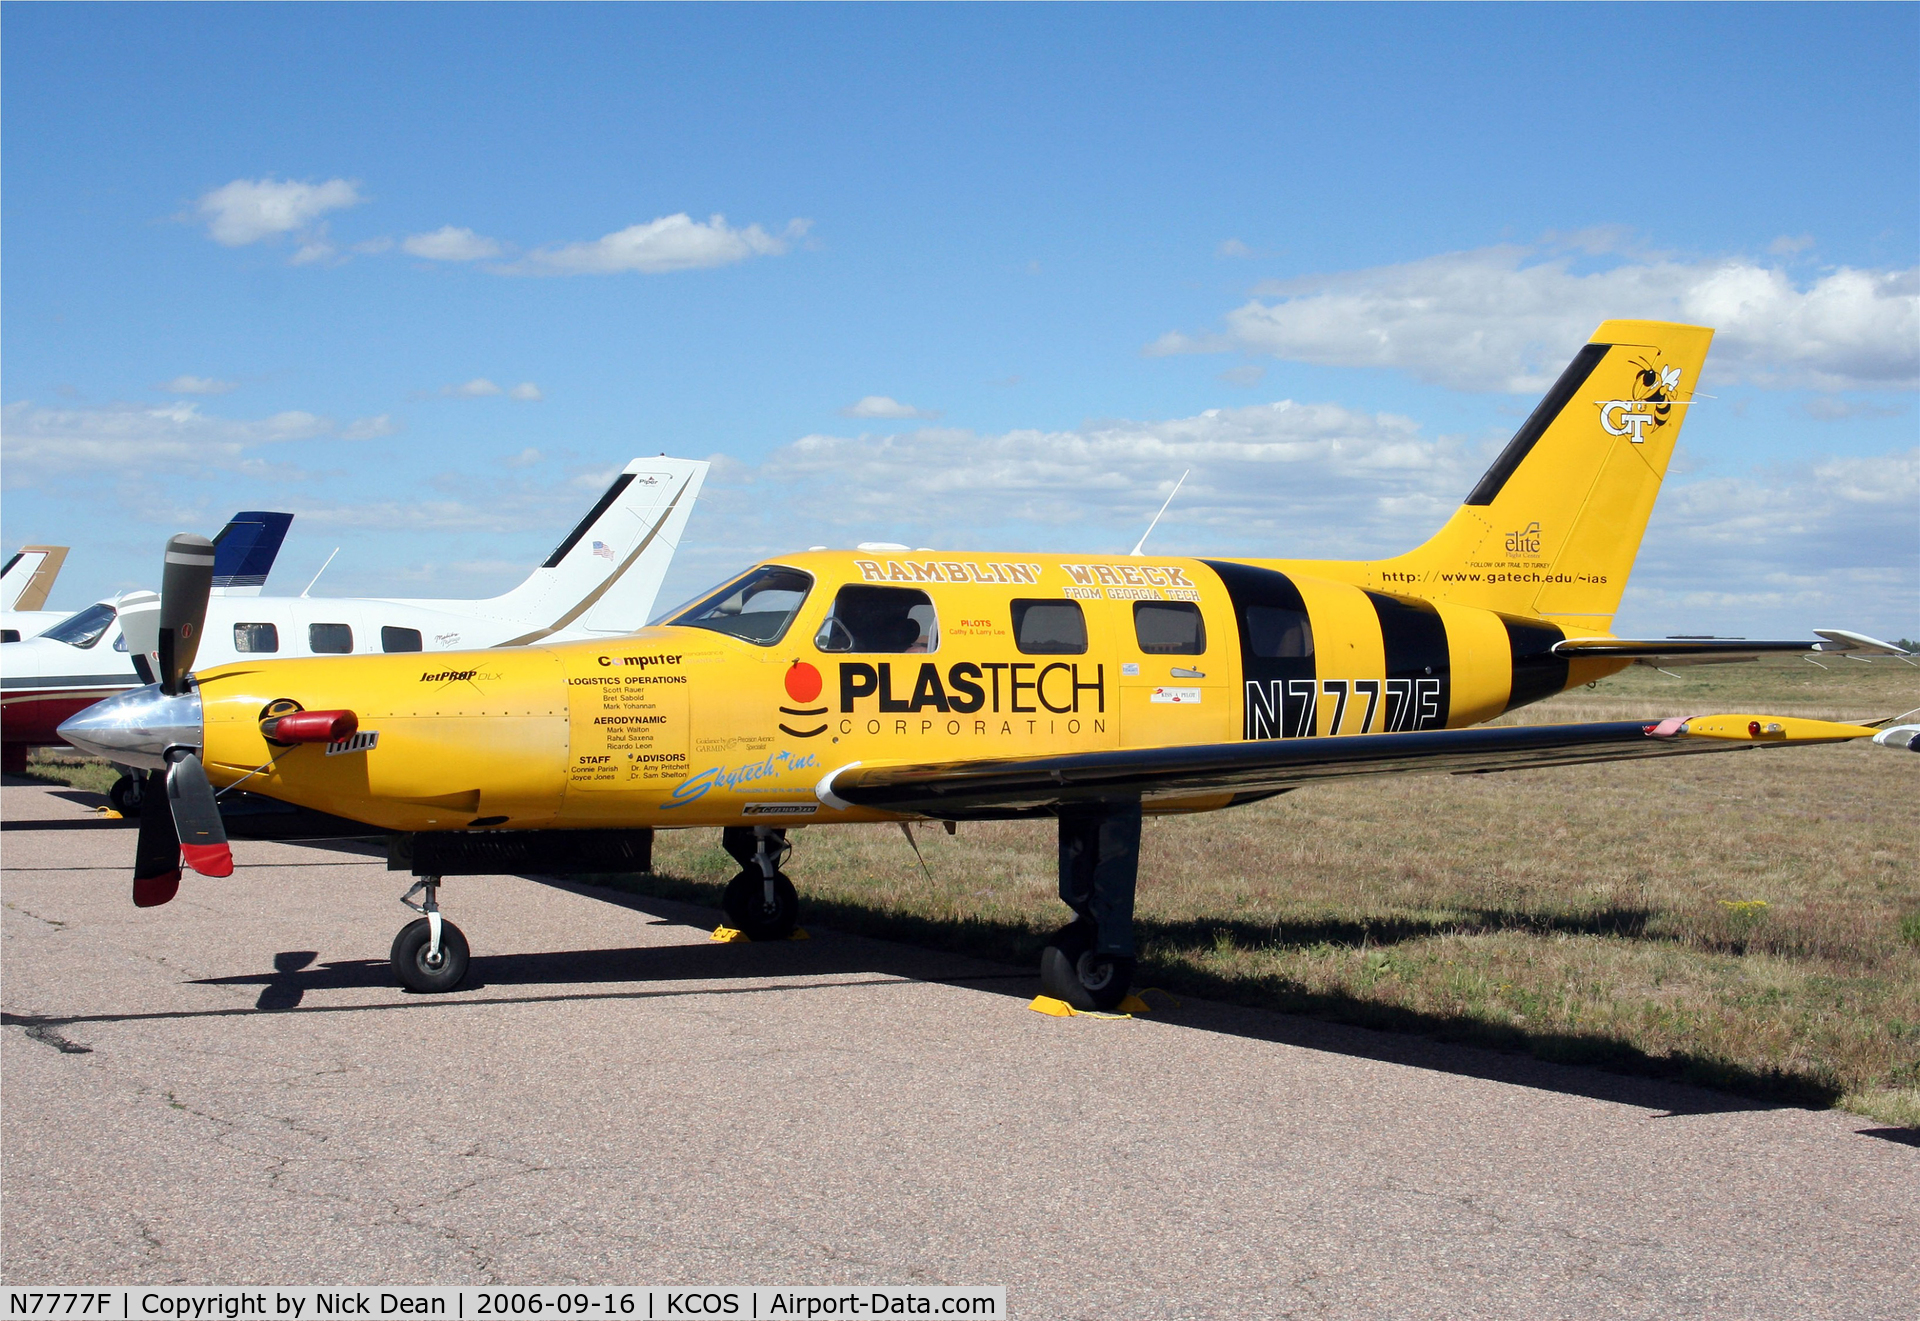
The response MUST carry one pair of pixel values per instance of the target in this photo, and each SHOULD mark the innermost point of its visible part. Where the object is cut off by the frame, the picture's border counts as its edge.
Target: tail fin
(245, 549)
(28, 577)
(602, 578)
(1554, 526)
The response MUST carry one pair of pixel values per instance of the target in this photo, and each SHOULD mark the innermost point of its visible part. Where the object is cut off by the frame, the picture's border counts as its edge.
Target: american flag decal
(603, 550)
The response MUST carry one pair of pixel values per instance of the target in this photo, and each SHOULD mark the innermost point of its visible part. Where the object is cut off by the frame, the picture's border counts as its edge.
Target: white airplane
(24, 585)
(600, 581)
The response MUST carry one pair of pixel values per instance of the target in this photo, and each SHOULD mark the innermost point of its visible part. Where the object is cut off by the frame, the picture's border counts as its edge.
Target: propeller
(187, 819)
(185, 584)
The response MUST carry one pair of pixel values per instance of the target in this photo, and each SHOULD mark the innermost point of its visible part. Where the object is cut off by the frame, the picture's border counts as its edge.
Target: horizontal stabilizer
(1000, 787)
(1722, 651)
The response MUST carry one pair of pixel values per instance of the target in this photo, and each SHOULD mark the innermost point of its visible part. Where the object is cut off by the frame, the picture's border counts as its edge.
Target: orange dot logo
(803, 682)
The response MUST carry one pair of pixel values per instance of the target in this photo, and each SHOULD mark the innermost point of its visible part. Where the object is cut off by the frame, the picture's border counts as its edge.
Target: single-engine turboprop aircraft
(905, 686)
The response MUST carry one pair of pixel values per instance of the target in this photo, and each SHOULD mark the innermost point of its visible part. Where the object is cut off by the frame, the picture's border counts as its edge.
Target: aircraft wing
(1721, 651)
(1007, 786)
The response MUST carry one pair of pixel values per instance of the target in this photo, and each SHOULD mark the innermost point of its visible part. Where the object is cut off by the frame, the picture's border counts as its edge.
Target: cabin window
(756, 607)
(1276, 632)
(83, 629)
(879, 619)
(1169, 628)
(329, 639)
(9, 634)
(256, 638)
(399, 639)
(1049, 628)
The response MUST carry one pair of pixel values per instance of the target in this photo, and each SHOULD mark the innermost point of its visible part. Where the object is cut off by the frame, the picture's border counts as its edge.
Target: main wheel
(745, 904)
(126, 793)
(419, 971)
(1071, 971)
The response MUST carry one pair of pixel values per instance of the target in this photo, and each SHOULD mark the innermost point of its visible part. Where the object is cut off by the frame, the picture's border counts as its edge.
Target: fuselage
(734, 710)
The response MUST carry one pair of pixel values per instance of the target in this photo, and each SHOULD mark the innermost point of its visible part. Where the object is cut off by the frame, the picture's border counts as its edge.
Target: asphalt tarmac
(231, 1089)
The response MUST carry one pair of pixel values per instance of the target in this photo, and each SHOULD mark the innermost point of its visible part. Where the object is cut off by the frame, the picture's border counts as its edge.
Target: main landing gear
(760, 902)
(429, 955)
(1089, 962)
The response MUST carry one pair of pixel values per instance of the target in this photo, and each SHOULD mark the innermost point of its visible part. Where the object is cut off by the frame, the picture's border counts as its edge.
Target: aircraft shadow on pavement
(850, 960)
(1591, 1065)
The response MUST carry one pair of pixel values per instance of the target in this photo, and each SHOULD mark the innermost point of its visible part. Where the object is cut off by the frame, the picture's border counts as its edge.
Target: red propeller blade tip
(152, 891)
(208, 859)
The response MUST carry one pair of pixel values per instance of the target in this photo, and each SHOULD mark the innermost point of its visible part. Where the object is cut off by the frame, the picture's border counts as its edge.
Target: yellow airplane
(899, 685)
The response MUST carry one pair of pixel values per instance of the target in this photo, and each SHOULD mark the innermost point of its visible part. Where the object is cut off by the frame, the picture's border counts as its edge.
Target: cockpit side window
(1049, 628)
(756, 607)
(83, 629)
(879, 619)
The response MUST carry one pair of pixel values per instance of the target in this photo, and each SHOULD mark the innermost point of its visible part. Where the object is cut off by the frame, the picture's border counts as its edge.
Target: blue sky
(305, 257)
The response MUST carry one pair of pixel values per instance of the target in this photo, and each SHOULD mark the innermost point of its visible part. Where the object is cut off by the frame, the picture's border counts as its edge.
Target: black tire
(1071, 971)
(410, 963)
(126, 793)
(747, 910)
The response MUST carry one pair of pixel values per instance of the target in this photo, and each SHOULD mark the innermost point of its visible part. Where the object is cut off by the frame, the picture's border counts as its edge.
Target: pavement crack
(55, 923)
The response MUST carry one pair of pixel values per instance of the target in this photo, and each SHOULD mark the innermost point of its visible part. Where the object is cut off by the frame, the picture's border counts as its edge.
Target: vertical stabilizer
(28, 577)
(602, 578)
(245, 549)
(1553, 527)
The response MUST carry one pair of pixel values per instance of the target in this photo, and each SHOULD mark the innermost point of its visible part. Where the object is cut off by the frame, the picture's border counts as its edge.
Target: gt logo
(1626, 417)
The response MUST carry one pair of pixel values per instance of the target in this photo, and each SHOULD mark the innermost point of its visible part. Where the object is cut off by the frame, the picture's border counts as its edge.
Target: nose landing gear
(430, 954)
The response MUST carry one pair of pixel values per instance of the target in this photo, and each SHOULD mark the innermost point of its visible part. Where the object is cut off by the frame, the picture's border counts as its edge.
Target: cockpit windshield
(756, 607)
(83, 629)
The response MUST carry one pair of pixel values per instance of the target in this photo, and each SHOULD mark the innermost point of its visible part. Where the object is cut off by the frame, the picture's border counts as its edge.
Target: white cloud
(478, 388)
(526, 392)
(671, 243)
(128, 440)
(1233, 248)
(1829, 408)
(879, 405)
(1508, 318)
(1247, 374)
(450, 243)
(248, 210)
(1826, 544)
(1268, 479)
(199, 385)
(313, 250)
(526, 458)
(369, 428)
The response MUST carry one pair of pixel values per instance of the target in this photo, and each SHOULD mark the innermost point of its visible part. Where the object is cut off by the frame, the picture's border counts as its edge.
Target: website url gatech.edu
(792, 1303)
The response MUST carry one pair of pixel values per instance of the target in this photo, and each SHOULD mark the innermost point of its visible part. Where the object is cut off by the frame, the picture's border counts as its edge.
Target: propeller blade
(185, 584)
(156, 858)
(196, 816)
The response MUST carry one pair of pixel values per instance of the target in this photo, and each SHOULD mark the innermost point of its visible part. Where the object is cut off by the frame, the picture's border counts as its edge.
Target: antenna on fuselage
(1163, 509)
(336, 551)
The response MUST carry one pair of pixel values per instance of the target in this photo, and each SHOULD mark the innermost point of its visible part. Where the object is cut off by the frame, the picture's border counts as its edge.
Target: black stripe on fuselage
(1537, 670)
(1419, 670)
(1278, 691)
(1537, 423)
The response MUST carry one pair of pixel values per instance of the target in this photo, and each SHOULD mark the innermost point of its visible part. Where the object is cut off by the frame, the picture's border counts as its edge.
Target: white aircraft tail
(602, 579)
(28, 577)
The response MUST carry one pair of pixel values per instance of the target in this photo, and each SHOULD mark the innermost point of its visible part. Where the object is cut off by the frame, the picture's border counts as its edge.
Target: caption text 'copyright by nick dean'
(550, 1303)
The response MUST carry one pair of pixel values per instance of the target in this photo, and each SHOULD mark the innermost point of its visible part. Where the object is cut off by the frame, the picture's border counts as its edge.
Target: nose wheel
(430, 954)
